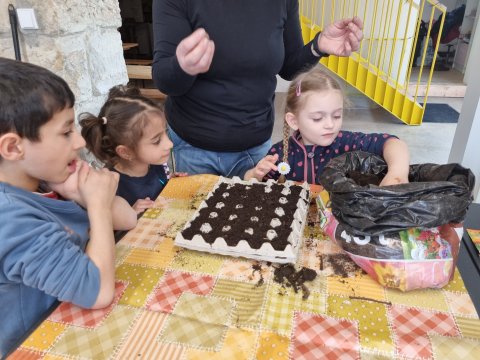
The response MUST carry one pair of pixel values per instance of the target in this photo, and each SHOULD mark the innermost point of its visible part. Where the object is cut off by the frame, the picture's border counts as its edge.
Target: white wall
(466, 142)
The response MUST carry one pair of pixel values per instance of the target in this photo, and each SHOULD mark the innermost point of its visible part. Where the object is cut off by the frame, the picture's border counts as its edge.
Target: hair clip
(298, 90)
(104, 119)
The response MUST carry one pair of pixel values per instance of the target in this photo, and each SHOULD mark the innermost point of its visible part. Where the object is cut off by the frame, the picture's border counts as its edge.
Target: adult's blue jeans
(193, 160)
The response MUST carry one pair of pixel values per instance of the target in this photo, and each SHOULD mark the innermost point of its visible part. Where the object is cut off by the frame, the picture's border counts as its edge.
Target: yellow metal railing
(383, 68)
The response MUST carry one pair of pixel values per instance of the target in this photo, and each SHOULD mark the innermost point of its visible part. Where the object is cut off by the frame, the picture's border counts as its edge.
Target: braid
(286, 135)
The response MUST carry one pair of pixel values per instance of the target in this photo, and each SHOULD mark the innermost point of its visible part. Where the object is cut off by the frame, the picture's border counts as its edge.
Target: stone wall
(78, 41)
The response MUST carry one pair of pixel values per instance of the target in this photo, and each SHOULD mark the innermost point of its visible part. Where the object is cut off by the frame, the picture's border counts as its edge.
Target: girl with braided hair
(129, 136)
(314, 110)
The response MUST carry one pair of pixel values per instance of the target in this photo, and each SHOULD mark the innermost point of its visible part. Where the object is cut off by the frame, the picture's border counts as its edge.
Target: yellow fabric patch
(456, 284)
(281, 304)
(372, 321)
(427, 299)
(272, 346)
(238, 344)
(469, 327)
(141, 281)
(445, 347)
(360, 286)
(195, 261)
(158, 258)
(44, 336)
(188, 187)
(152, 213)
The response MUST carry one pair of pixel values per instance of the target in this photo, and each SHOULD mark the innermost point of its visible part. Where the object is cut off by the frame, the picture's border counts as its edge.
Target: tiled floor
(429, 142)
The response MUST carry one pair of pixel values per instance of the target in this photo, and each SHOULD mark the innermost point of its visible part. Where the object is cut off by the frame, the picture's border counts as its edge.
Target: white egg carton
(266, 252)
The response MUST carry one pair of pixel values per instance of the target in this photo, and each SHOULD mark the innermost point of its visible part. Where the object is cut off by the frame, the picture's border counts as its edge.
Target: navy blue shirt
(308, 161)
(134, 188)
(229, 107)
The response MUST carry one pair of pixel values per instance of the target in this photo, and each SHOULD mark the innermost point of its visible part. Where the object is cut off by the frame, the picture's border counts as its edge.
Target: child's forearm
(124, 217)
(397, 157)
(101, 250)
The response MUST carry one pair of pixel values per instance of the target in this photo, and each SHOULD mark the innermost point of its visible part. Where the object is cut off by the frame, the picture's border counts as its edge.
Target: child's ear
(124, 152)
(11, 147)
(291, 120)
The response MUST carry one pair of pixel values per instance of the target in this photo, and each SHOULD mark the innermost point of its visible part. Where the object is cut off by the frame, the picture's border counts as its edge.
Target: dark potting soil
(245, 212)
(288, 276)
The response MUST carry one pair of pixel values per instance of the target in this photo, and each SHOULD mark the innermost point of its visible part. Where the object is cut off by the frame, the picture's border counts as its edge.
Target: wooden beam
(138, 61)
(153, 94)
(141, 72)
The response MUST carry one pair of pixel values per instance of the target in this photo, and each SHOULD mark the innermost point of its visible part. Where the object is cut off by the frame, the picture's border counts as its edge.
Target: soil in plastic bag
(435, 195)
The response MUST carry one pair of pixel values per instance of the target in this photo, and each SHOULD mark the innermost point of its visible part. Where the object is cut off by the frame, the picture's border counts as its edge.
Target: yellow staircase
(382, 67)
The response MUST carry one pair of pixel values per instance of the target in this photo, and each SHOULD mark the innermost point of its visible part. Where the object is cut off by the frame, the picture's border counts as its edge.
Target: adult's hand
(195, 52)
(342, 37)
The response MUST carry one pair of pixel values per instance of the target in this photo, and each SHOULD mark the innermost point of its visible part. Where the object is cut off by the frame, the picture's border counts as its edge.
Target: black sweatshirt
(230, 107)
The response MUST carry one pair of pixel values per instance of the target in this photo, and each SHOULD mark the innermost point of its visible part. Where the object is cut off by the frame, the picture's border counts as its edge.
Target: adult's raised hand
(195, 52)
(342, 37)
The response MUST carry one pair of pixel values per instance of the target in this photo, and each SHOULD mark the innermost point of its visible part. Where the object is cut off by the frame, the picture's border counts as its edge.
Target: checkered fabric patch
(90, 318)
(411, 327)
(173, 285)
(98, 344)
(454, 348)
(241, 270)
(198, 322)
(279, 310)
(461, 304)
(148, 233)
(238, 344)
(323, 337)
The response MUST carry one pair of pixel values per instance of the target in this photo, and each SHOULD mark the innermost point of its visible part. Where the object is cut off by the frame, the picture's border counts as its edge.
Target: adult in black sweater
(217, 61)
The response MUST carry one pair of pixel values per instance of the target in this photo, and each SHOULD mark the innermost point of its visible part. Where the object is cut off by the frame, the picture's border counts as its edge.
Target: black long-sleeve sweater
(230, 107)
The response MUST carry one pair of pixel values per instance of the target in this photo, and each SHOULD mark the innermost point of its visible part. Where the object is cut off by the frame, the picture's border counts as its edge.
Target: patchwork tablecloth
(173, 303)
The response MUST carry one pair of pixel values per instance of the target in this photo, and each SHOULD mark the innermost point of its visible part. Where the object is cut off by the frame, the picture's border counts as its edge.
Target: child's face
(154, 146)
(320, 119)
(53, 158)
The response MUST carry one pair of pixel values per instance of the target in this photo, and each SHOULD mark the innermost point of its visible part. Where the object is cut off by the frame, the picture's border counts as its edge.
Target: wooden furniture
(128, 46)
(139, 72)
(172, 303)
(138, 61)
(144, 72)
(153, 94)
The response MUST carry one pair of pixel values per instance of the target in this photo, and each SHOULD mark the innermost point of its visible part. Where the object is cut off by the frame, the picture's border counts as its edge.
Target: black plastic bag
(435, 195)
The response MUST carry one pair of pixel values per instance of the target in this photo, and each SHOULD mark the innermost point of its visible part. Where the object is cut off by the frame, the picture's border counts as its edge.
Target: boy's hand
(179, 174)
(69, 188)
(97, 187)
(263, 167)
(143, 204)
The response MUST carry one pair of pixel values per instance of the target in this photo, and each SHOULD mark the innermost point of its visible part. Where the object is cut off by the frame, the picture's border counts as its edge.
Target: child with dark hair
(314, 110)
(129, 136)
(50, 249)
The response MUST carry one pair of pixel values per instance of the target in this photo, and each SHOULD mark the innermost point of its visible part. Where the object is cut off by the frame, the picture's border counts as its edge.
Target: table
(469, 260)
(173, 303)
